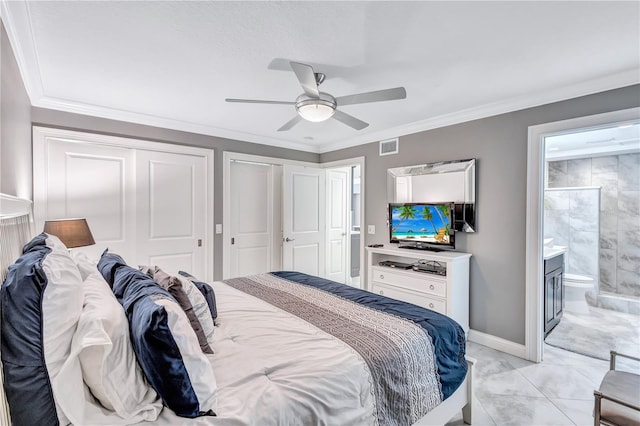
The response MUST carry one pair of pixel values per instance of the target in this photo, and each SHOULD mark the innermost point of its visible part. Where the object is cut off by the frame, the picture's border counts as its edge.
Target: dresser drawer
(425, 301)
(417, 281)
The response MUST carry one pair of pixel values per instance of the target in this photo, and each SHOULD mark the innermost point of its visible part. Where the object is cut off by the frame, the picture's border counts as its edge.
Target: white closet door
(338, 236)
(96, 182)
(171, 208)
(251, 208)
(303, 219)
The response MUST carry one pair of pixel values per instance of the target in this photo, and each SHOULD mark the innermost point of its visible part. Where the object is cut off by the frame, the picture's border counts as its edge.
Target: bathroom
(592, 218)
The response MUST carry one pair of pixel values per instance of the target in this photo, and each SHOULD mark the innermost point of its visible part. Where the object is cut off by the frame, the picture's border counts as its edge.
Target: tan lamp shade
(72, 232)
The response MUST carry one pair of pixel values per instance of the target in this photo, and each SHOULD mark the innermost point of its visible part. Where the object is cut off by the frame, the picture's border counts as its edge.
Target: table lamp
(72, 232)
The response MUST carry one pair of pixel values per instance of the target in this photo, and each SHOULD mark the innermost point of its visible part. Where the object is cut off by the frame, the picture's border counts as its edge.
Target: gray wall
(65, 120)
(15, 126)
(500, 144)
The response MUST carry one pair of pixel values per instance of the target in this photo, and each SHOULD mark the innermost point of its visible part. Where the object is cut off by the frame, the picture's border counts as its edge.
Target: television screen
(422, 225)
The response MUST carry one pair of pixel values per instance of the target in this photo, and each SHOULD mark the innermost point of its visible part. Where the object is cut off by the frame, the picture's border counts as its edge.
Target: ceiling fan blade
(349, 120)
(377, 96)
(307, 78)
(289, 124)
(257, 101)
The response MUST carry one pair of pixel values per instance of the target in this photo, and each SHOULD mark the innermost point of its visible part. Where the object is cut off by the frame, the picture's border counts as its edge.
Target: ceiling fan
(316, 106)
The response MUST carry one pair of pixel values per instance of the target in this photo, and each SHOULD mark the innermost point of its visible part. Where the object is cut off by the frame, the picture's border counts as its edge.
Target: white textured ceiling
(172, 64)
(609, 140)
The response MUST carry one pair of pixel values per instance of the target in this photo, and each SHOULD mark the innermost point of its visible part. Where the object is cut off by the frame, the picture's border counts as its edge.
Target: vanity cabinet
(447, 294)
(553, 292)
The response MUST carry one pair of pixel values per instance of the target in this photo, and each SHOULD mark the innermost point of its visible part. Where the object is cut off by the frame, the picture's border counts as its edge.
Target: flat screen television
(427, 226)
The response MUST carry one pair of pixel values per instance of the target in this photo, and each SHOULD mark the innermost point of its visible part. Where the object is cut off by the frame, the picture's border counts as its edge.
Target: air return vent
(389, 146)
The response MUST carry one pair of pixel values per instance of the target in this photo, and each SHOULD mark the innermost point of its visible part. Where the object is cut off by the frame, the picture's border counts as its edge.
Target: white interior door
(171, 211)
(337, 224)
(96, 182)
(303, 219)
(251, 201)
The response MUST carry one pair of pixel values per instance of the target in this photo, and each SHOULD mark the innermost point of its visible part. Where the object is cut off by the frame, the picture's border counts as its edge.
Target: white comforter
(273, 368)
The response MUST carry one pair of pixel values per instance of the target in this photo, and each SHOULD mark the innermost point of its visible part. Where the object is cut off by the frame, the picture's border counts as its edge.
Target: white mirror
(449, 181)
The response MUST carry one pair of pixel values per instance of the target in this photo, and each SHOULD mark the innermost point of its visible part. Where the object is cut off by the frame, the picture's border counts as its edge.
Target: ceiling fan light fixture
(316, 109)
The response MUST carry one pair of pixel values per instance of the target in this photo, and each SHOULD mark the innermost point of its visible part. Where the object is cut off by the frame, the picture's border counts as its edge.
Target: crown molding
(623, 79)
(17, 23)
(615, 81)
(165, 123)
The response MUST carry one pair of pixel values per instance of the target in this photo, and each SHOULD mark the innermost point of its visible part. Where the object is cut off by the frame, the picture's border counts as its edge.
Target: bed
(289, 348)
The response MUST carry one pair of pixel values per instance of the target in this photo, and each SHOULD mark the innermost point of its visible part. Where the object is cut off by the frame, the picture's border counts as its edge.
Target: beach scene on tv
(428, 223)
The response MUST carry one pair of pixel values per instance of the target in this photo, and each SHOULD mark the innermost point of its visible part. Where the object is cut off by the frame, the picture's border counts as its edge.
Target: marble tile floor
(512, 391)
(596, 332)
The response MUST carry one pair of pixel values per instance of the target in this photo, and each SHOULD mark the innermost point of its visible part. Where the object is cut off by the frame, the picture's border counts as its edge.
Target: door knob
(289, 239)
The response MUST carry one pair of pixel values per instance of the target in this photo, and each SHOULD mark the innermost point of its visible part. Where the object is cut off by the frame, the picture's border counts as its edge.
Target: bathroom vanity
(553, 288)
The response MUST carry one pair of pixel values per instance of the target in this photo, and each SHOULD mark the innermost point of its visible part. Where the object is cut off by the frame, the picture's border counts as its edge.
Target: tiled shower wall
(619, 178)
(571, 217)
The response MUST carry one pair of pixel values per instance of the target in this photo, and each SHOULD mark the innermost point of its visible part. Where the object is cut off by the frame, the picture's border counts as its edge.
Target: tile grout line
(549, 399)
(540, 390)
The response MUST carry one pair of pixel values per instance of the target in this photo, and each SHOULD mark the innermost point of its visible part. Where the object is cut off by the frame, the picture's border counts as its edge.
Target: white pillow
(85, 265)
(101, 382)
(61, 308)
(200, 307)
(109, 365)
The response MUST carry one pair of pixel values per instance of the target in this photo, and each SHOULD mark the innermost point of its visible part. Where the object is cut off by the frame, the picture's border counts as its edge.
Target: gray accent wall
(85, 123)
(497, 276)
(15, 126)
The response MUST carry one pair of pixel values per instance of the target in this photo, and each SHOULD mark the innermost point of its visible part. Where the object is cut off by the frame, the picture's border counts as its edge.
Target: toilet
(575, 288)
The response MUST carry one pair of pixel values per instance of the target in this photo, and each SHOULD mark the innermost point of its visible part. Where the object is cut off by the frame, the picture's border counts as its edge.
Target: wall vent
(389, 146)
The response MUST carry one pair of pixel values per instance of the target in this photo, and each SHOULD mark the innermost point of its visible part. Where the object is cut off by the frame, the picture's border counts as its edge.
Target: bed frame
(461, 399)
(17, 228)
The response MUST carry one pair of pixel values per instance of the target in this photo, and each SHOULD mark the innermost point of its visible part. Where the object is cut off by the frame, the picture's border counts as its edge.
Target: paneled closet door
(338, 242)
(95, 182)
(171, 211)
(303, 223)
(251, 219)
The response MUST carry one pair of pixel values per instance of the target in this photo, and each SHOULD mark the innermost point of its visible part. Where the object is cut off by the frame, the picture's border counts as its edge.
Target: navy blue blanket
(446, 335)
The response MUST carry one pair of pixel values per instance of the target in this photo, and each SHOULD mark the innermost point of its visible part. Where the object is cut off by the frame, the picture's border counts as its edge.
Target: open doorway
(564, 239)
(343, 186)
(591, 225)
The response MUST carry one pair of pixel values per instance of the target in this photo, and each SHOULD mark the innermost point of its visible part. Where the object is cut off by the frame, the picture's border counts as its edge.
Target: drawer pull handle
(432, 287)
(431, 305)
(382, 292)
(381, 277)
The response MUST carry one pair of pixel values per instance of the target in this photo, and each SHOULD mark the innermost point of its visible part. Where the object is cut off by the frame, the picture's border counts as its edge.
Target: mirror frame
(465, 210)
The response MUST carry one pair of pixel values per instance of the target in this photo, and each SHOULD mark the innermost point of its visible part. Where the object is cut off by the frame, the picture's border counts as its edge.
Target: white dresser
(447, 294)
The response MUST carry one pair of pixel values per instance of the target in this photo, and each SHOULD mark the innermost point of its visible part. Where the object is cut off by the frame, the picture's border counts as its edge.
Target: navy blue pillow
(26, 379)
(181, 375)
(206, 290)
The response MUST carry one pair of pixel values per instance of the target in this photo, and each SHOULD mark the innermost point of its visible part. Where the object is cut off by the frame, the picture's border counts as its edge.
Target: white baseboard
(497, 343)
